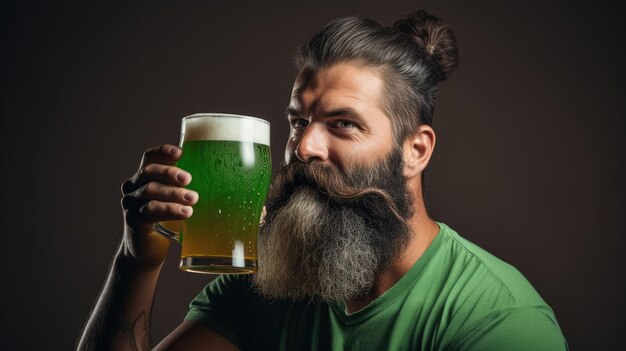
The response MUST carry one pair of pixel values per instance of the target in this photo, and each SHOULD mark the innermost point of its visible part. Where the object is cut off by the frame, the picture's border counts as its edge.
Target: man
(348, 256)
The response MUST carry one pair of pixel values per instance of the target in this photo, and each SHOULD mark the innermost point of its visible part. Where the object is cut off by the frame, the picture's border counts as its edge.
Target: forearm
(121, 317)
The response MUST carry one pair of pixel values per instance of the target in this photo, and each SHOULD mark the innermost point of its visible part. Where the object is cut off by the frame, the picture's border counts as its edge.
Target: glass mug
(228, 157)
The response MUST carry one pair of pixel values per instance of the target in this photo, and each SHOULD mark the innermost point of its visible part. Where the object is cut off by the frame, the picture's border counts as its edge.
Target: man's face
(335, 118)
(337, 207)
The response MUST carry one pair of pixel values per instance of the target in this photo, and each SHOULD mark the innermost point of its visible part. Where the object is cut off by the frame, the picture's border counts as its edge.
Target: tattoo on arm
(127, 332)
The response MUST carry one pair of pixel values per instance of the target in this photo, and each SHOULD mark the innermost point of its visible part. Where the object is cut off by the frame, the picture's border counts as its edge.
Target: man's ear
(417, 150)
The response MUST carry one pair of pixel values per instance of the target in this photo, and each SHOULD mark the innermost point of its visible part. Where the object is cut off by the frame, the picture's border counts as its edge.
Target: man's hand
(155, 193)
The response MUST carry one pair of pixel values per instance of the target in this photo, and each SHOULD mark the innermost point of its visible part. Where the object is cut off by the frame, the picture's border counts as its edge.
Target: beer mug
(228, 157)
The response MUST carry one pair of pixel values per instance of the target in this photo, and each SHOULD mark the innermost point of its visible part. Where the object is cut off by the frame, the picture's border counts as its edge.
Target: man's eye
(299, 123)
(344, 124)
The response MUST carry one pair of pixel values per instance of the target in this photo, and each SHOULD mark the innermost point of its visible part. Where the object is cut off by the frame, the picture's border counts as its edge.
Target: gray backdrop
(529, 159)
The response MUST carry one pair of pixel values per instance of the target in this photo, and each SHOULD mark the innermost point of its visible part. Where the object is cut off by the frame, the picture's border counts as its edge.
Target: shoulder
(479, 270)
(218, 306)
(230, 306)
(223, 287)
(491, 302)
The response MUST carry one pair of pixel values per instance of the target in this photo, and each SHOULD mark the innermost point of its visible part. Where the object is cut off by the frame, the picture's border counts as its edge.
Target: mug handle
(166, 232)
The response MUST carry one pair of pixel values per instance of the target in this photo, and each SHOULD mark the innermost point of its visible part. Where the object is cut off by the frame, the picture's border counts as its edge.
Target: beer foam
(228, 127)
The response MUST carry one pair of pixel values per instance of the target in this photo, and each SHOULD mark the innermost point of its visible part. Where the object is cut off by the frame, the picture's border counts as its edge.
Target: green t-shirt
(457, 296)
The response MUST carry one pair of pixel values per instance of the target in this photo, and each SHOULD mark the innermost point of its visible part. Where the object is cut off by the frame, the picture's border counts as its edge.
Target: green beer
(229, 159)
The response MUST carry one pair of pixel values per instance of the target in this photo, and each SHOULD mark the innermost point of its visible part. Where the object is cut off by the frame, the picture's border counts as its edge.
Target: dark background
(529, 159)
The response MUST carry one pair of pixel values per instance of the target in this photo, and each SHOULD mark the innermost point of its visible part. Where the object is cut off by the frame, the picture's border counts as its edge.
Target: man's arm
(121, 317)
(155, 193)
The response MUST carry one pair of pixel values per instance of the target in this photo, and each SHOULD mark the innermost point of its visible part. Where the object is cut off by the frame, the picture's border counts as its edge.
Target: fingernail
(183, 177)
(190, 196)
(174, 151)
(186, 210)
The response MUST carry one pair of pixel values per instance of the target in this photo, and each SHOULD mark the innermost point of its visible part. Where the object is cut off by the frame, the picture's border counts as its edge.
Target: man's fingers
(160, 192)
(165, 154)
(157, 211)
(154, 202)
(155, 193)
(165, 211)
(158, 173)
(132, 203)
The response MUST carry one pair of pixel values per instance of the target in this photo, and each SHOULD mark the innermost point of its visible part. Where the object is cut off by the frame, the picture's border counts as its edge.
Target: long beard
(328, 234)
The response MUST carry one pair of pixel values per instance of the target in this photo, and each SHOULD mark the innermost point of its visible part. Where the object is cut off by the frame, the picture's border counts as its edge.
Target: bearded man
(348, 256)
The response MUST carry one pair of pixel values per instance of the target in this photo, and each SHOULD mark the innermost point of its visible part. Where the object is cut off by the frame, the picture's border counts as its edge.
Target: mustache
(333, 183)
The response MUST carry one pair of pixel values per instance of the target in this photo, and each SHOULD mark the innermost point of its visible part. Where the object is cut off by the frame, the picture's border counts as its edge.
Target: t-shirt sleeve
(521, 328)
(221, 307)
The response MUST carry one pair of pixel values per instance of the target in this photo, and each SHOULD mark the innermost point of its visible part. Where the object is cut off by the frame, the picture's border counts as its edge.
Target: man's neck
(423, 231)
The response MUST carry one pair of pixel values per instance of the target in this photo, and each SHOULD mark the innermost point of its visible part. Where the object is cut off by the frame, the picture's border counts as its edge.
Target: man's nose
(313, 144)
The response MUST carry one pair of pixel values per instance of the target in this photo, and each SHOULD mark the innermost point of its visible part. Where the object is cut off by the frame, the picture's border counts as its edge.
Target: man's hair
(413, 55)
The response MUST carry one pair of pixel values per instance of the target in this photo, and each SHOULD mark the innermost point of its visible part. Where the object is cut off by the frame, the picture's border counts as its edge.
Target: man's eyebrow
(344, 111)
(292, 111)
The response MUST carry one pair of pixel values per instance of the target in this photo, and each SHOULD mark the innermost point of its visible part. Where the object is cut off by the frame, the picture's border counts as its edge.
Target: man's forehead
(342, 83)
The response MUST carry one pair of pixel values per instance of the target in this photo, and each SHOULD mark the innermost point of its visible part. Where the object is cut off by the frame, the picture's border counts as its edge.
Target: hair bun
(435, 38)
